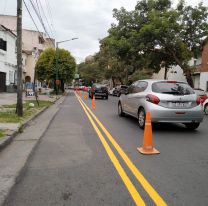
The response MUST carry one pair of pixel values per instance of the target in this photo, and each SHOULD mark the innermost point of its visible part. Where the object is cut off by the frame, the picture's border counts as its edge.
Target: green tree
(155, 34)
(46, 66)
(90, 71)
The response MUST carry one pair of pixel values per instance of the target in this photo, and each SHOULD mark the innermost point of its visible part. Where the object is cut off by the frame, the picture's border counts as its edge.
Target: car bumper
(101, 94)
(161, 114)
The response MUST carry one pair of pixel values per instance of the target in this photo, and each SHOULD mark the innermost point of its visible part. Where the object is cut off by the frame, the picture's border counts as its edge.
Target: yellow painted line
(129, 185)
(146, 185)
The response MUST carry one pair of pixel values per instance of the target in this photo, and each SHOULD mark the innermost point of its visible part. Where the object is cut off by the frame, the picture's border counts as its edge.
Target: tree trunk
(120, 79)
(189, 79)
(62, 86)
(165, 74)
(113, 80)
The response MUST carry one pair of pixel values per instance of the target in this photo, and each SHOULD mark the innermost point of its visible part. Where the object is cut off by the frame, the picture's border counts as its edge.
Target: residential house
(8, 60)
(34, 43)
(200, 75)
(201, 71)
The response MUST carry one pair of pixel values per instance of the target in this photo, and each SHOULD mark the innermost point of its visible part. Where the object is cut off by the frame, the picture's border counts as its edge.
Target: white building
(8, 60)
(200, 75)
(34, 43)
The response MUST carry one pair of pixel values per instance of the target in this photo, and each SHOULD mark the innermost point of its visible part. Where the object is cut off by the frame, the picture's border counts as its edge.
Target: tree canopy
(46, 65)
(90, 71)
(153, 35)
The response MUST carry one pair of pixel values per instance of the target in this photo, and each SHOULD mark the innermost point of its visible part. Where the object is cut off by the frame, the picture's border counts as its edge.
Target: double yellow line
(129, 185)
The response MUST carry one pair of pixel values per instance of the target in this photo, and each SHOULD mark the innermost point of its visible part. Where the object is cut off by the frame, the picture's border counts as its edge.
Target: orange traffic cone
(93, 102)
(147, 147)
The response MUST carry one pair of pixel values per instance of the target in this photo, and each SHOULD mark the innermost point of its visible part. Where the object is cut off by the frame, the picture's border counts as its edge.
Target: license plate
(179, 104)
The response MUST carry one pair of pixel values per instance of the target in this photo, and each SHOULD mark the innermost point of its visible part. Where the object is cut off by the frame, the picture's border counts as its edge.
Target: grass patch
(1, 133)
(11, 116)
(26, 104)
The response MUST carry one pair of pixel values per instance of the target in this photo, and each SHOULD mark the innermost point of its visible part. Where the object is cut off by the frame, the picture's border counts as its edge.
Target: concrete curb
(4, 141)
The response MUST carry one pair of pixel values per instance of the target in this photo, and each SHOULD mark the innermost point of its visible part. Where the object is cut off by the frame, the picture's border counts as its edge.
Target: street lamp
(57, 82)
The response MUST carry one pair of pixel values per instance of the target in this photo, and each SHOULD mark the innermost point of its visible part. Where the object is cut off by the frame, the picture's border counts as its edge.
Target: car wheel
(206, 108)
(106, 97)
(141, 118)
(192, 126)
(120, 110)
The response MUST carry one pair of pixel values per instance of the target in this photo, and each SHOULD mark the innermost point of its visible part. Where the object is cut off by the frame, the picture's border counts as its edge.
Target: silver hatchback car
(167, 101)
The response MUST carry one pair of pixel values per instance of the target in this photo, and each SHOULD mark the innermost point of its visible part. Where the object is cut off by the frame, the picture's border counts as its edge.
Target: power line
(41, 20)
(50, 13)
(45, 16)
(38, 15)
(32, 18)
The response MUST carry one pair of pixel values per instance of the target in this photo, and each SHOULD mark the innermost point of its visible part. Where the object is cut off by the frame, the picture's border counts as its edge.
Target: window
(176, 88)
(140, 86)
(3, 45)
(131, 89)
(41, 41)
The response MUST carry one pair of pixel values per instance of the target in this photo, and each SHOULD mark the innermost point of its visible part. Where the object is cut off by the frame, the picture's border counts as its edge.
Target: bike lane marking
(129, 185)
(142, 180)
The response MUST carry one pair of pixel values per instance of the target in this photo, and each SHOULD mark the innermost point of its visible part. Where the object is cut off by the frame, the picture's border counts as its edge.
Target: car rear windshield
(175, 88)
(98, 85)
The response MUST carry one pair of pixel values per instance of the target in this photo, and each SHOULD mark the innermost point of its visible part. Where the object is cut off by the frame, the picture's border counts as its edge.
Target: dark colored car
(98, 90)
(121, 89)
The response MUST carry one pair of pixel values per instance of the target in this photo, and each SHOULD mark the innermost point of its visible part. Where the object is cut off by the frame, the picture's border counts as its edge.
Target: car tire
(192, 126)
(106, 97)
(120, 110)
(141, 118)
(206, 108)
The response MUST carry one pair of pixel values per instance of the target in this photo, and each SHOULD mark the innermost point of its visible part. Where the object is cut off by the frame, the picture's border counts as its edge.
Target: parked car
(121, 89)
(205, 106)
(201, 93)
(167, 101)
(98, 90)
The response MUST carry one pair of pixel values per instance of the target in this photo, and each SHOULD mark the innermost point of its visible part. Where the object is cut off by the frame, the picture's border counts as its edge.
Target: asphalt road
(73, 165)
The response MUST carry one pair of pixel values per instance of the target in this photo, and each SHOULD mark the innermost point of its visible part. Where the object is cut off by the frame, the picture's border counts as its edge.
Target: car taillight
(201, 99)
(152, 98)
(198, 100)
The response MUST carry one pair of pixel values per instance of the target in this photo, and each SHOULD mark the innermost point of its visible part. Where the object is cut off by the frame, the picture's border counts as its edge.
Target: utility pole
(19, 107)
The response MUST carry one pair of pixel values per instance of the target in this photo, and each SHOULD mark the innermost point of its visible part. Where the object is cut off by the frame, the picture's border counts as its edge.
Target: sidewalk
(11, 98)
(14, 157)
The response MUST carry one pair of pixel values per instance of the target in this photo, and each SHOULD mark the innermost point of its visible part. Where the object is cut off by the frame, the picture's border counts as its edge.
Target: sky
(87, 20)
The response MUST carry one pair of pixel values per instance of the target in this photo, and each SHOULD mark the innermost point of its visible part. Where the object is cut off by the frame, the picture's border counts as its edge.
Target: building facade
(200, 74)
(8, 60)
(34, 43)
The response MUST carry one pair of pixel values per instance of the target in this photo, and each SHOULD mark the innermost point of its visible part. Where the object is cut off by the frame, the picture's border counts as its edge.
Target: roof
(8, 30)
